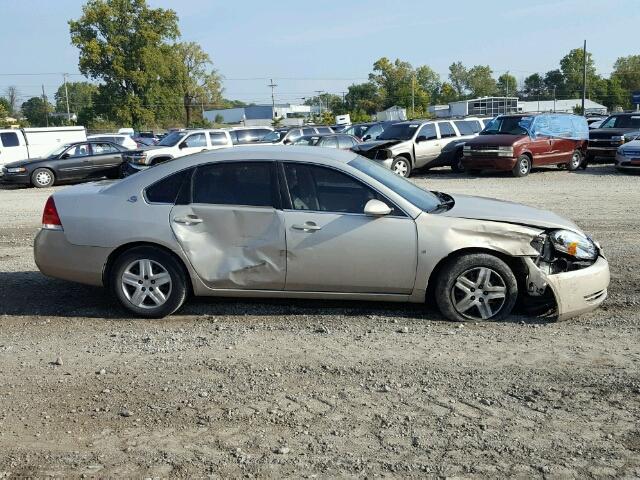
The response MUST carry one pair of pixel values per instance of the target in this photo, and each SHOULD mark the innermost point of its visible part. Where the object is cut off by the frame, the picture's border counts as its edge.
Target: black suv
(616, 130)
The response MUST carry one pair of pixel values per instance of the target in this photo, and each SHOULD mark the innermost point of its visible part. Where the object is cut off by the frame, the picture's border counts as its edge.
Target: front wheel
(575, 162)
(522, 166)
(42, 178)
(476, 287)
(457, 165)
(401, 166)
(148, 282)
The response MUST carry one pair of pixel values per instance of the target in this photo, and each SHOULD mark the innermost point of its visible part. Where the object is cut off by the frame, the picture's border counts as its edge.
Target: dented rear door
(231, 230)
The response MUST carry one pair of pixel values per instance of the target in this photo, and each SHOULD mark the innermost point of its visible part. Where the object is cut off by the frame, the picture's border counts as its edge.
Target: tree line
(141, 74)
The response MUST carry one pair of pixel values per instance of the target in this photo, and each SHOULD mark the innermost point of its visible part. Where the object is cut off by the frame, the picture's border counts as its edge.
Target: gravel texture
(234, 388)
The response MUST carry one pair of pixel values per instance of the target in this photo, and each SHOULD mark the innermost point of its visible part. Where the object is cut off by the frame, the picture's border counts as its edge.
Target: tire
(401, 166)
(575, 162)
(522, 166)
(473, 171)
(42, 178)
(132, 284)
(476, 287)
(457, 165)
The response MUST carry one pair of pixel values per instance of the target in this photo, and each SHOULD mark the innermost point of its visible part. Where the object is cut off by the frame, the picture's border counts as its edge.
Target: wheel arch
(408, 156)
(160, 159)
(113, 256)
(516, 264)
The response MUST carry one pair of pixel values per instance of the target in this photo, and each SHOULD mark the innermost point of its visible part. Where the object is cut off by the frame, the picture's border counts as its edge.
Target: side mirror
(182, 145)
(286, 141)
(366, 138)
(376, 208)
(421, 138)
(65, 156)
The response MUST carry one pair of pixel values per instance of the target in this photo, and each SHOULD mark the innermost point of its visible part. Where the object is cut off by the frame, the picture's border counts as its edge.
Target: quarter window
(468, 127)
(330, 142)
(195, 140)
(446, 130)
(245, 183)
(167, 189)
(308, 131)
(345, 141)
(322, 189)
(9, 139)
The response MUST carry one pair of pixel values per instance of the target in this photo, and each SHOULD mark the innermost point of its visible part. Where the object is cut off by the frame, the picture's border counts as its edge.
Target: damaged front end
(572, 267)
(380, 150)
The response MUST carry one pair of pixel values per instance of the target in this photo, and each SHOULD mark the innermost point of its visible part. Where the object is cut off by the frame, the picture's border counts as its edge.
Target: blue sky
(308, 46)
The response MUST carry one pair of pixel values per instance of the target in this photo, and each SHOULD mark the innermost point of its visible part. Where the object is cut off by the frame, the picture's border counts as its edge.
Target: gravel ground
(234, 388)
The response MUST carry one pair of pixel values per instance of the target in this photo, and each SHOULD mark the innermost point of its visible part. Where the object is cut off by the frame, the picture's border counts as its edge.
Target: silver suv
(408, 145)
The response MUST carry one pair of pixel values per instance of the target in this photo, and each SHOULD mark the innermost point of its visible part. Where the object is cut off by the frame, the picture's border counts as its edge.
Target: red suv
(519, 142)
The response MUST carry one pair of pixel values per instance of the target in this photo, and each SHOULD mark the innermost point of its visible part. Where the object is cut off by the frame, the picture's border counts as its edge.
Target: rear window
(324, 130)
(9, 139)
(167, 189)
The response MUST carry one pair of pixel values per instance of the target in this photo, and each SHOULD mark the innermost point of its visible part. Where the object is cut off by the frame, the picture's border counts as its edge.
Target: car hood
(145, 149)
(500, 140)
(481, 208)
(609, 132)
(368, 146)
(25, 163)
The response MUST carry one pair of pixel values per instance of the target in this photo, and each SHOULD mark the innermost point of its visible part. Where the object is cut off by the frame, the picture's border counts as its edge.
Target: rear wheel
(401, 166)
(42, 178)
(575, 162)
(476, 287)
(148, 282)
(522, 166)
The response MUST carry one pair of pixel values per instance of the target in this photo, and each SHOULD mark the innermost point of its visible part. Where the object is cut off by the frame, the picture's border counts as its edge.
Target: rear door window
(446, 130)
(468, 127)
(345, 141)
(241, 183)
(309, 131)
(167, 189)
(218, 138)
(331, 142)
(9, 139)
(103, 148)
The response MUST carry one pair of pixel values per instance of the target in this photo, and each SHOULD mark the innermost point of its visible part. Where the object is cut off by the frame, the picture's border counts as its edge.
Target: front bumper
(15, 178)
(606, 152)
(579, 291)
(471, 162)
(129, 168)
(627, 164)
(56, 257)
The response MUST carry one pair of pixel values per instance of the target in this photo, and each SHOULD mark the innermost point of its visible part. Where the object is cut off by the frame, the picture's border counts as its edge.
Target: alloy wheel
(146, 283)
(43, 178)
(479, 293)
(575, 160)
(401, 168)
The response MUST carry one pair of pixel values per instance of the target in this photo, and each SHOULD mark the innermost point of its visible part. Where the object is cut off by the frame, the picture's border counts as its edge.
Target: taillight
(50, 217)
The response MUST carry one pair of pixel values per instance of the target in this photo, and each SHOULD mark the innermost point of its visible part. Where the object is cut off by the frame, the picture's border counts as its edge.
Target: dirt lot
(323, 390)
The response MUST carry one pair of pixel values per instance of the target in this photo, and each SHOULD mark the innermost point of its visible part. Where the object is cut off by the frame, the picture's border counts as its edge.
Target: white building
(257, 115)
(561, 106)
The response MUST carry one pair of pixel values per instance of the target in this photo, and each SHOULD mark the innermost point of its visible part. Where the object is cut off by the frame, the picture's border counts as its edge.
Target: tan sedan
(306, 222)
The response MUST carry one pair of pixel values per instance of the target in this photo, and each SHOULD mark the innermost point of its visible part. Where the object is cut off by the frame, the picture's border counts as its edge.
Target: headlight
(466, 148)
(505, 151)
(574, 244)
(16, 170)
(617, 138)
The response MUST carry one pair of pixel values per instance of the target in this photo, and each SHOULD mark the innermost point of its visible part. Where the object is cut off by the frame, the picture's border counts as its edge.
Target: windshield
(172, 139)
(622, 121)
(58, 150)
(399, 131)
(422, 199)
(508, 126)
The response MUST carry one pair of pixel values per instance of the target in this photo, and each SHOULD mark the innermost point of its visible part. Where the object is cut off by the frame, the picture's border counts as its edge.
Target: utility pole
(273, 99)
(66, 96)
(584, 76)
(554, 99)
(319, 92)
(507, 97)
(413, 95)
(44, 106)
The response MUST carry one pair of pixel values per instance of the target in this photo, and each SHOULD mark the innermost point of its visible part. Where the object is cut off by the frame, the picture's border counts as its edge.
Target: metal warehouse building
(261, 115)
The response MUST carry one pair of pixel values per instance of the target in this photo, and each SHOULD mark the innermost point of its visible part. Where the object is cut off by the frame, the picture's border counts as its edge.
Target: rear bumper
(580, 291)
(57, 258)
(488, 163)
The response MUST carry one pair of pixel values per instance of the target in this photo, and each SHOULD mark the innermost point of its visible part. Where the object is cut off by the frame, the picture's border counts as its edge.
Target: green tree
(447, 93)
(12, 94)
(533, 87)
(397, 83)
(198, 82)
(554, 83)
(625, 79)
(80, 100)
(124, 45)
(616, 95)
(4, 111)
(507, 85)
(480, 81)
(36, 111)
(328, 101)
(571, 67)
(459, 77)
(363, 98)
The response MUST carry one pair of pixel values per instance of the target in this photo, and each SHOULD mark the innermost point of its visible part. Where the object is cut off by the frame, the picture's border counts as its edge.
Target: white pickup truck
(176, 144)
(26, 143)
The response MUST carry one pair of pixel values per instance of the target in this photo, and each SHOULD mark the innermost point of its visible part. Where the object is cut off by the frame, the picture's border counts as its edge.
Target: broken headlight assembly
(564, 251)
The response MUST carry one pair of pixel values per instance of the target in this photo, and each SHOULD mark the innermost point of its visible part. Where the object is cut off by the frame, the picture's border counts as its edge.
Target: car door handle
(307, 227)
(188, 220)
